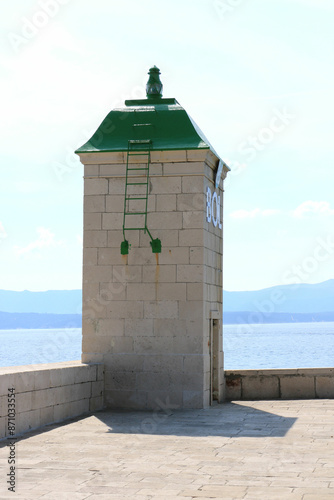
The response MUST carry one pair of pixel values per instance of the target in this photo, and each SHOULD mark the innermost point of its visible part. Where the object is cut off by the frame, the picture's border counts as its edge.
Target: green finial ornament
(154, 85)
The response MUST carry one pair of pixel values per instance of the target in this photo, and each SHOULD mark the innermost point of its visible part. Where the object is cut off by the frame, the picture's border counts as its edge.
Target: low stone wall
(49, 393)
(303, 383)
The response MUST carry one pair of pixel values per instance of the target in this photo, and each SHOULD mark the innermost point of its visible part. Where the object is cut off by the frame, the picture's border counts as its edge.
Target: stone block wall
(302, 383)
(49, 393)
(147, 317)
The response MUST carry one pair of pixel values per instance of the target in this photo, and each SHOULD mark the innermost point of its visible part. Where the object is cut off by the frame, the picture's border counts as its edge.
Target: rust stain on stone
(157, 272)
(234, 382)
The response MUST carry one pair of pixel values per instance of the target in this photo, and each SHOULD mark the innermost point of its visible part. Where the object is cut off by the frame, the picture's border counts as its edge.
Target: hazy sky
(256, 75)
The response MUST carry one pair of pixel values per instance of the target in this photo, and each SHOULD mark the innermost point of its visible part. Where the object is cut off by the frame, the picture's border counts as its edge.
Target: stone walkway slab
(240, 450)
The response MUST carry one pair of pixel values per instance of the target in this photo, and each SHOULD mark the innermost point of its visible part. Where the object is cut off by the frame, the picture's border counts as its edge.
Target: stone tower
(152, 262)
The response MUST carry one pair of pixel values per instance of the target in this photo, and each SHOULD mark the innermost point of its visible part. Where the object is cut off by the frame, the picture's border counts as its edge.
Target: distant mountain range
(303, 298)
(281, 304)
(278, 304)
(9, 321)
(50, 309)
(49, 302)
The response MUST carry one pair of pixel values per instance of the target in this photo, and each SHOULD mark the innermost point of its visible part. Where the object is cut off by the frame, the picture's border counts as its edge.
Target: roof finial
(154, 85)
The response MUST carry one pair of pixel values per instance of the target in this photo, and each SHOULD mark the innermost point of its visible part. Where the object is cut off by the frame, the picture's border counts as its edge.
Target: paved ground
(250, 450)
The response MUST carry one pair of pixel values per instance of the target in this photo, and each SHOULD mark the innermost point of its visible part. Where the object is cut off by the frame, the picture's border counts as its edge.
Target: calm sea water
(26, 347)
(282, 345)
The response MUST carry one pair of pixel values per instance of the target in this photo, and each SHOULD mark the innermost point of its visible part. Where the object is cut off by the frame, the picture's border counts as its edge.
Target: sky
(257, 77)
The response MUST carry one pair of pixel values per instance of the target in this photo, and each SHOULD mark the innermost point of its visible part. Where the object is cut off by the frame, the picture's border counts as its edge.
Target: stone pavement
(238, 450)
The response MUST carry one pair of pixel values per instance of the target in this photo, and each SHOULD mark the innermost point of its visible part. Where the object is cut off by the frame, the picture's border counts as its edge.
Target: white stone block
(142, 256)
(89, 256)
(183, 168)
(112, 170)
(95, 238)
(94, 203)
(27, 421)
(112, 221)
(115, 363)
(191, 202)
(169, 238)
(193, 220)
(79, 407)
(150, 345)
(117, 186)
(160, 363)
(92, 220)
(121, 345)
(96, 404)
(195, 291)
(97, 274)
(110, 327)
(193, 184)
(174, 255)
(189, 273)
(190, 237)
(95, 186)
(141, 291)
(62, 411)
(81, 391)
(166, 185)
(171, 291)
(102, 157)
(93, 170)
(166, 203)
(169, 327)
(115, 203)
(191, 310)
(197, 255)
(197, 154)
(110, 257)
(159, 274)
(193, 399)
(134, 328)
(161, 309)
(46, 415)
(166, 220)
(168, 156)
(24, 401)
(129, 309)
(97, 389)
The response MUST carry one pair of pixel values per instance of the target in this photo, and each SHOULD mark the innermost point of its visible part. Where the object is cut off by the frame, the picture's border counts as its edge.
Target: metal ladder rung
(136, 198)
(136, 183)
(135, 213)
(135, 229)
(141, 168)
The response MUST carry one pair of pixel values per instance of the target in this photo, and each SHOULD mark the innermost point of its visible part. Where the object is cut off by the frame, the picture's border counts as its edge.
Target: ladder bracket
(125, 247)
(156, 245)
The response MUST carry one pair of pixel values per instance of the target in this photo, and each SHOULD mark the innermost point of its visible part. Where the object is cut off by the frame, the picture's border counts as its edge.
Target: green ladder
(134, 178)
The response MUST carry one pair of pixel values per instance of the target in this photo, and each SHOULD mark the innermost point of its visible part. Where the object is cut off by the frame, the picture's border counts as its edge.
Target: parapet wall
(48, 393)
(303, 383)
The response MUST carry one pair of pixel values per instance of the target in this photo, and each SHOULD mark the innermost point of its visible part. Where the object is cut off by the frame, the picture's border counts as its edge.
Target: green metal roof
(163, 121)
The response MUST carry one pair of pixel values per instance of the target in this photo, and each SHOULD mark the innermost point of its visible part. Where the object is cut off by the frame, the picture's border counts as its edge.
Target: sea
(279, 345)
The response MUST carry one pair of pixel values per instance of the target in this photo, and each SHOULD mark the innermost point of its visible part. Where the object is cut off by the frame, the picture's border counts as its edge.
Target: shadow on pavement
(227, 420)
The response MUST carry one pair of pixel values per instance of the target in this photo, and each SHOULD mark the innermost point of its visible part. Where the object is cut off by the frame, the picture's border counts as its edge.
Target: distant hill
(251, 317)
(11, 321)
(49, 302)
(303, 298)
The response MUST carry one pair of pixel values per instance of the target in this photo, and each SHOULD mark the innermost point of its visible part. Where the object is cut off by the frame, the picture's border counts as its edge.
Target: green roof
(163, 121)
